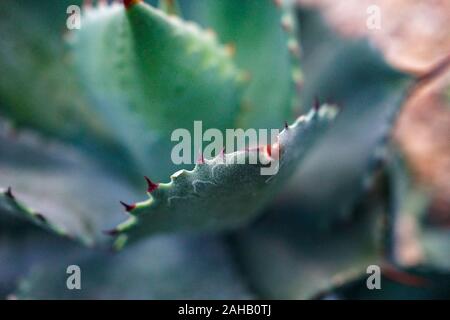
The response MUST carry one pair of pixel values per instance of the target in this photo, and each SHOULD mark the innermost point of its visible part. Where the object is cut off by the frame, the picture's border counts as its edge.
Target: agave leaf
(10, 205)
(95, 101)
(286, 256)
(264, 38)
(38, 89)
(67, 191)
(148, 74)
(24, 245)
(169, 267)
(371, 93)
(222, 193)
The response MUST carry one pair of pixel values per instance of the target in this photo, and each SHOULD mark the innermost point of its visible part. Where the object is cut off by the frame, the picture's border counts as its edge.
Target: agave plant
(87, 176)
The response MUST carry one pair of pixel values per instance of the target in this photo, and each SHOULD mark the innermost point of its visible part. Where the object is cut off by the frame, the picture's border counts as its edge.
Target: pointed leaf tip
(9, 193)
(203, 199)
(151, 185)
(41, 217)
(128, 207)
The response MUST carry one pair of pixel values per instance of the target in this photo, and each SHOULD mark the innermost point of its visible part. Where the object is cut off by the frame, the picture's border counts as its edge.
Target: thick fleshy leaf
(159, 268)
(222, 193)
(148, 73)
(340, 168)
(15, 208)
(38, 89)
(66, 191)
(286, 256)
(24, 245)
(263, 35)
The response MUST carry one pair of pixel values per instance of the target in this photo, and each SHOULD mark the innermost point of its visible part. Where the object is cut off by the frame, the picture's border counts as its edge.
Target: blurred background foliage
(347, 207)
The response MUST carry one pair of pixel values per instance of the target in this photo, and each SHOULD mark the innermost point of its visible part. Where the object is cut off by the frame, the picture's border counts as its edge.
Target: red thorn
(9, 193)
(286, 125)
(112, 232)
(316, 103)
(151, 185)
(128, 207)
(269, 149)
(201, 159)
(129, 3)
(273, 150)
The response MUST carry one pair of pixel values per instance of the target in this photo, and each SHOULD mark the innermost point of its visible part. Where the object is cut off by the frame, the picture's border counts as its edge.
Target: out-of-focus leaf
(285, 256)
(265, 40)
(228, 190)
(23, 246)
(37, 87)
(15, 208)
(159, 268)
(148, 74)
(67, 191)
(340, 167)
(412, 35)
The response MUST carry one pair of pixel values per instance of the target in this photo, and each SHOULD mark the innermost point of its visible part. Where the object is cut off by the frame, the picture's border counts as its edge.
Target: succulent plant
(86, 123)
